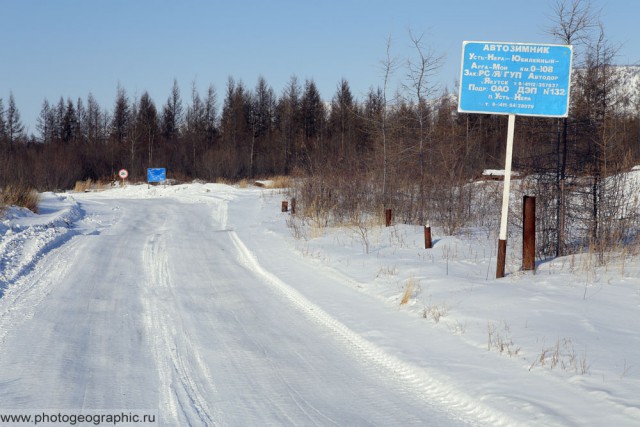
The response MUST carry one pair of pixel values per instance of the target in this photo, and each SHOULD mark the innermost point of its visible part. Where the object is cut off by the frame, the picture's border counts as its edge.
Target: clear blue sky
(69, 48)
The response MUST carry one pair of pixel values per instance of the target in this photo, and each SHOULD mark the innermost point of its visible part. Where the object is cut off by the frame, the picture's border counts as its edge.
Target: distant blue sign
(515, 78)
(156, 174)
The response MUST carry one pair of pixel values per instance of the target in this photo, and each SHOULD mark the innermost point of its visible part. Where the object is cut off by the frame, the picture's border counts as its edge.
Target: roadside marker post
(428, 244)
(529, 233)
(524, 79)
(123, 174)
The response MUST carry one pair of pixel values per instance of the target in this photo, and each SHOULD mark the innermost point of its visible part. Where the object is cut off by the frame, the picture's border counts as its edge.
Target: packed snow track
(158, 304)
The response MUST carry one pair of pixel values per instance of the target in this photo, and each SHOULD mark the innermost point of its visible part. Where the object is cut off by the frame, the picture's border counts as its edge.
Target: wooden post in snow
(529, 233)
(427, 237)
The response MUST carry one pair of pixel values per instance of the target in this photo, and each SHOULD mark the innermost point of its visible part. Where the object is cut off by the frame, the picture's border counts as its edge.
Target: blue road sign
(156, 175)
(515, 78)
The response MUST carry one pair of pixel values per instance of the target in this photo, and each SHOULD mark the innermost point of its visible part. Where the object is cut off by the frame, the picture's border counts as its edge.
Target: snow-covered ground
(206, 305)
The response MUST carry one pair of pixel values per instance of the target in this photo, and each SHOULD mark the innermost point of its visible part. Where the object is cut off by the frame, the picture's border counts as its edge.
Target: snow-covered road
(198, 304)
(158, 305)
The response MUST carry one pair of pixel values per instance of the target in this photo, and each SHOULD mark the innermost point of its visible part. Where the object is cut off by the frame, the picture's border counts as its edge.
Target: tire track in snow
(180, 394)
(421, 383)
(306, 407)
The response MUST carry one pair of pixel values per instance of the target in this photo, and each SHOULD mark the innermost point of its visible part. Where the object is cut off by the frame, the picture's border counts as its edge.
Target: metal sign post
(502, 242)
(515, 79)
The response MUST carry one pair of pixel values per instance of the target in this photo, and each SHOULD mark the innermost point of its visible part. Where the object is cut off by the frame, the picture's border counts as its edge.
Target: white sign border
(506, 113)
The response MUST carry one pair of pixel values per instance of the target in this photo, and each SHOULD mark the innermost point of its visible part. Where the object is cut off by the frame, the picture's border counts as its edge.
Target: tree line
(255, 133)
(406, 147)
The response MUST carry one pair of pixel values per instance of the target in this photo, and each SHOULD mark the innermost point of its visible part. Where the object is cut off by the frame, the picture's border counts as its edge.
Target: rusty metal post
(387, 217)
(285, 206)
(529, 233)
(293, 205)
(427, 237)
(502, 256)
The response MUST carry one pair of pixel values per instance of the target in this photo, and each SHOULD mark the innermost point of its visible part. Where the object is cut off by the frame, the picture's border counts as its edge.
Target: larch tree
(147, 123)
(118, 128)
(93, 120)
(45, 123)
(14, 125)
(3, 123)
(82, 130)
(288, 113)
(211, 115)
(342, 124)
(263, 104)
(195, 124)
(58, 113)
(69, 123)
(236, 129)
(172, 115)
(313, 122)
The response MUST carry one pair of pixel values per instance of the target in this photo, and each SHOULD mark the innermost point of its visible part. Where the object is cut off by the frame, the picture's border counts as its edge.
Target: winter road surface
(158, 304)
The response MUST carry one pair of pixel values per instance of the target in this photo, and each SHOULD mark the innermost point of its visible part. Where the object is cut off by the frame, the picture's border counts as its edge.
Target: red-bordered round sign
(123, 173)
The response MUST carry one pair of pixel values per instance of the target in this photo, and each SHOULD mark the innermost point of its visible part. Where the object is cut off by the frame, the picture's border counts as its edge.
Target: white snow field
(205, 305)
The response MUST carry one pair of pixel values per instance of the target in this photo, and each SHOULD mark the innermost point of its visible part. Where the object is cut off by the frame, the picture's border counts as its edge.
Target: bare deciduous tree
(420, 88)
(573, 22)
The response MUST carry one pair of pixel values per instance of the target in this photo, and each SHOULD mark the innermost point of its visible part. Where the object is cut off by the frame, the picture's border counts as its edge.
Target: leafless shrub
(625, 369)
(362, 225)
(501, 340)
(297, 227)
(435, 312)
(458, 328)
(561, 355)
(387, 271)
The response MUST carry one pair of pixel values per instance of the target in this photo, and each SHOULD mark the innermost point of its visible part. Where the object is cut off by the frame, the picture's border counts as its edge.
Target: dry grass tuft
(409, 288)
(20, 195)
(223, 180)
(89, 185)
(280, 181)
(82, 186)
